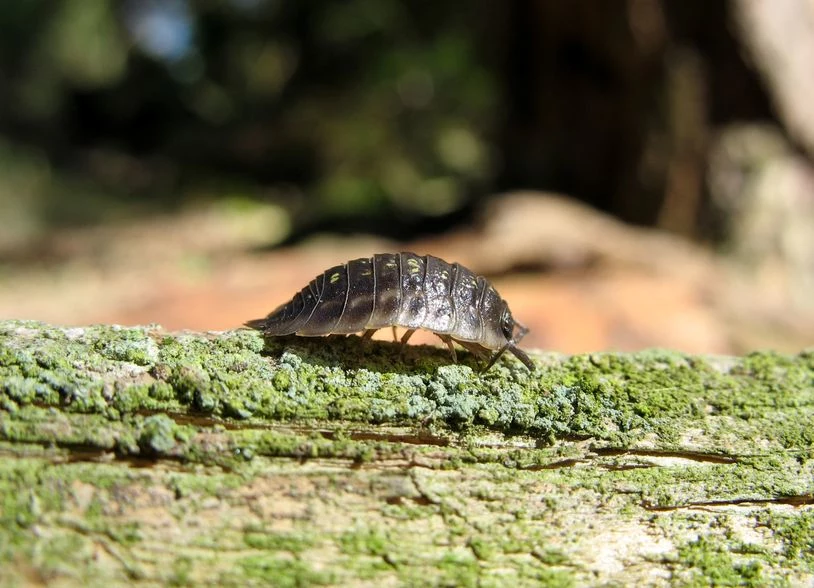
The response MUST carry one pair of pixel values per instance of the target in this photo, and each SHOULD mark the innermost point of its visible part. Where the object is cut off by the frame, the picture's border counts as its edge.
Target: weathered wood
(132, 454)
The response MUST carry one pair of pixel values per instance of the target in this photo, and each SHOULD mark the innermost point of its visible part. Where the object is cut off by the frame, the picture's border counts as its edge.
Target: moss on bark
(130, 453)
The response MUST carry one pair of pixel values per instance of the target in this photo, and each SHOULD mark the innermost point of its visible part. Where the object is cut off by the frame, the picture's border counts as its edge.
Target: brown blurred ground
(581, 280)
(695, 119)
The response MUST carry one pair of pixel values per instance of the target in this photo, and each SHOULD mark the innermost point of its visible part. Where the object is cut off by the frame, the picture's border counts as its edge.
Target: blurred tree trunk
(613, 102)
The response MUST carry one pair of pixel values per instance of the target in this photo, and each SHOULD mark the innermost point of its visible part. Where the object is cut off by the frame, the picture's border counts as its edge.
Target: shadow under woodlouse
(354, 352)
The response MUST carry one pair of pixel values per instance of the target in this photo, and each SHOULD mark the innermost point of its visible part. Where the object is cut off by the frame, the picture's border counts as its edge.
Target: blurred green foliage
(366, 108)
(391, 116)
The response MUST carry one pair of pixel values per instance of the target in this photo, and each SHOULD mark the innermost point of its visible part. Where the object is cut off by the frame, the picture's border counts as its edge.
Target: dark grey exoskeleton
(402, 290)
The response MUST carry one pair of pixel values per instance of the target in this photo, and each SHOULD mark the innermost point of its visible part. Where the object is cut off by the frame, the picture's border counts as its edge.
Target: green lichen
(130, 345)
(458, 568)
(159, 435)
(393, 469)
(182, 569)
(748, 479)
(712, 564)
(366, 542)
(268, 540)
(283, 572)
(615, 397)
(796, 533)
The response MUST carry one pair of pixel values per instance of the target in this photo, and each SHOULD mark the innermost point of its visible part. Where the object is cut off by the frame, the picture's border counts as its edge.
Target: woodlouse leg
(495, 357)
(404, 340)
(475, 349)
(448, 340)
(368, 333)
(406, 336)
(395, 334)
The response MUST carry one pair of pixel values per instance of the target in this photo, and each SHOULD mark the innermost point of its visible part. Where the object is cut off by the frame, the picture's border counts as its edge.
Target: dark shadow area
(353, 352)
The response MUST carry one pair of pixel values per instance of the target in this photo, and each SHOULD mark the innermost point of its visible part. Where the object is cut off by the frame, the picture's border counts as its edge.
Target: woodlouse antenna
(511, 346)
(517, 352)
(495, 357)
(521, 355)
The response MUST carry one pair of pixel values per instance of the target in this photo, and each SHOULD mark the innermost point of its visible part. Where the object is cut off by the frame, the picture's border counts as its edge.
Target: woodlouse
(402, 290)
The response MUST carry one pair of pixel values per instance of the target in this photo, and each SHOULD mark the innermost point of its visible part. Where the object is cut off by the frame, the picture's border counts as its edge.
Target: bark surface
(187, 458)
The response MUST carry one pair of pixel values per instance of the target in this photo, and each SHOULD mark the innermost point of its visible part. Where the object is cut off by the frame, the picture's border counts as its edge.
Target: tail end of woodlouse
(259, 324)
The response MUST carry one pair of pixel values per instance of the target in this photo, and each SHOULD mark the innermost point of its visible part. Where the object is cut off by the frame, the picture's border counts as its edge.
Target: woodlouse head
(512, 332)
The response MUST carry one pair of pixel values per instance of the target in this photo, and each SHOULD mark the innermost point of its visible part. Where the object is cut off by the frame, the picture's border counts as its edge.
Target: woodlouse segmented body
(402, 290)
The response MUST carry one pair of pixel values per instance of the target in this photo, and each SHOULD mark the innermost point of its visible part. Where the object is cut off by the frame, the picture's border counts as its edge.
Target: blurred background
(629, 173)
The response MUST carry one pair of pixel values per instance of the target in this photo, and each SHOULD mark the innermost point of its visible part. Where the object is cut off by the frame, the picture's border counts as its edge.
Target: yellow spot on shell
(335, 278)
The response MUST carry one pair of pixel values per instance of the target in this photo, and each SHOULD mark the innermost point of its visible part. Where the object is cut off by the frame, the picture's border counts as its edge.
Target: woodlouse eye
(507, 324)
